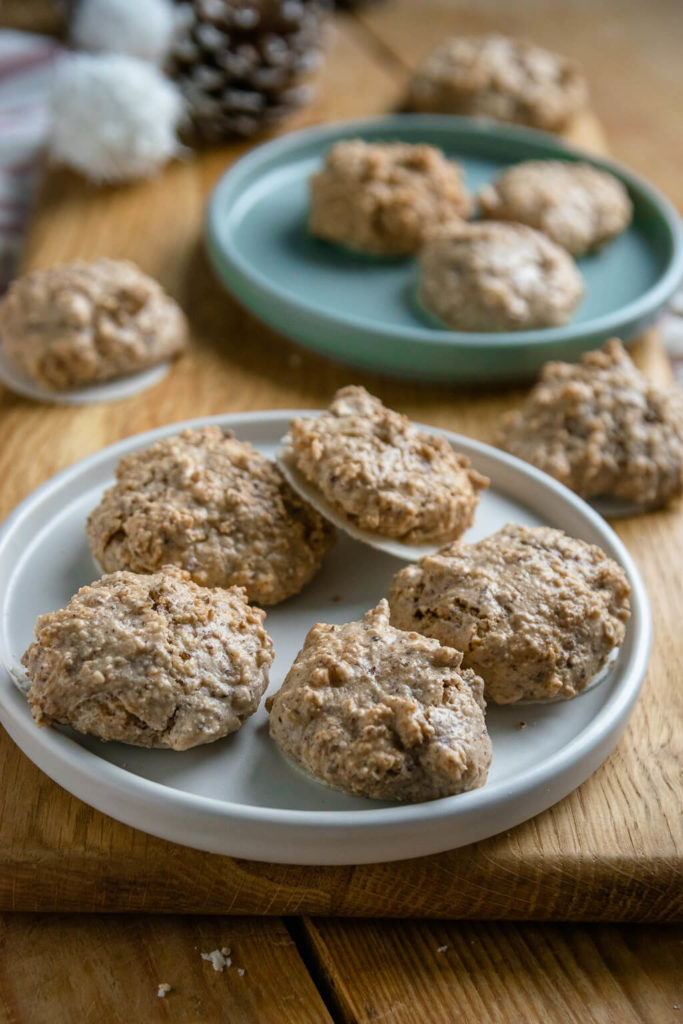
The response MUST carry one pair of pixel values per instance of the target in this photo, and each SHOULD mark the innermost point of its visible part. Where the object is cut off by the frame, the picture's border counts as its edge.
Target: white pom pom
(140, 28)
(114, 117)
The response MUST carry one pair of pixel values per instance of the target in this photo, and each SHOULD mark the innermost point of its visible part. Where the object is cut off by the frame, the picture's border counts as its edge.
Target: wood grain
(86, 970)
(45, 16)
(611, 850)
(492, 973)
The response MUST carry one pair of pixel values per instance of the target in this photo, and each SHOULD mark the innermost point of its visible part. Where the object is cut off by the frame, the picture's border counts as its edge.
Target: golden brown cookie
(493, 76)
(151, 660)
(536, 613)
(385, 198)
(382, 713)
(495, 276)
(383, 473)
(214, 506)
(602, 429)
(576, 205)
(82, 323)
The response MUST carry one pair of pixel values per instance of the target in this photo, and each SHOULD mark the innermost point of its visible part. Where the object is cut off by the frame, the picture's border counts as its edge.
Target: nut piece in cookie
(214, 506)
(81, 323)
(602, 429)
(151, 660)
(579, 206)
(382, 474)
(536, 613)
(493, 76)
(496, 276)
(385, 198)
(381, 713)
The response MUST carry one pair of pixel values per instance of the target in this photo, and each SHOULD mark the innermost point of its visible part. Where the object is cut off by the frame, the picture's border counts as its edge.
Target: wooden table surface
(610, 851)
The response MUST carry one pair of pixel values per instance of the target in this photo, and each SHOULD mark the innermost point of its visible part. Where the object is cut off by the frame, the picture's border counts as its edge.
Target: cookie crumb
(218, 960)
(162, 989)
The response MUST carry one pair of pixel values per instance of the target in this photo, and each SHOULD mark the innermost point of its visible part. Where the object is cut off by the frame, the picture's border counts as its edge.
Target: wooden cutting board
(610, 851)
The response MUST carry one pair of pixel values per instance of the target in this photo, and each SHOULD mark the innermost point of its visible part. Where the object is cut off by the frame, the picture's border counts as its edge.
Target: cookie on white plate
(382, 713)
(152, 660)
(537, 614)
(215, 506)
(380, 476)
(79, 324)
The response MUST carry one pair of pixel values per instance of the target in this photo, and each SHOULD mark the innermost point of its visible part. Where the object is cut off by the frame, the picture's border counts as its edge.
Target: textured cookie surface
(535, 612)
(493, 76)
(82, 323)
(602, 429)
(579, 206)
(385, 198)
(495, 276)
(383, 473)
(151, 660)
(382, 713)
(214, 506)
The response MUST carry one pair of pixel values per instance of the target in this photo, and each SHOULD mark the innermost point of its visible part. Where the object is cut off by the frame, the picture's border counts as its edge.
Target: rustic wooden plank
(611, 850)
(494, 974)
(88, 969)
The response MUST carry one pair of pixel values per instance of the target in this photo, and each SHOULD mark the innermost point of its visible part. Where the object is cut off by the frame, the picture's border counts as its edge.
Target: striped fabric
(26, 63)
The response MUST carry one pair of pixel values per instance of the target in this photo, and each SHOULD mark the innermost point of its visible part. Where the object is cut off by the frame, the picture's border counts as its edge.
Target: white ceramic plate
(108, 391)
(239, 796)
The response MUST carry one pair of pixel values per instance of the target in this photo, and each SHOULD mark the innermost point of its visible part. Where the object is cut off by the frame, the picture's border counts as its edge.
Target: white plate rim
(105, 391)
(133, 797)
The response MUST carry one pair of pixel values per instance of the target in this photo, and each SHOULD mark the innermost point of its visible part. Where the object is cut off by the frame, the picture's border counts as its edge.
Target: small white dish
(284, 456)
(108, 391)
(239, 796)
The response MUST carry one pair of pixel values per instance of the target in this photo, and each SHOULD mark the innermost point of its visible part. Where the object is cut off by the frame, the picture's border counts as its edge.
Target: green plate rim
(227, 259)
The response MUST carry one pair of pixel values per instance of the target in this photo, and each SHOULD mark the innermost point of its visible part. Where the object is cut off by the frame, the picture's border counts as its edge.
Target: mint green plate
(362, 311)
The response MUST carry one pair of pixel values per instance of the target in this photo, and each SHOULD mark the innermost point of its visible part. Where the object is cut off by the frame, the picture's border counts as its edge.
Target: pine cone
(241, 64)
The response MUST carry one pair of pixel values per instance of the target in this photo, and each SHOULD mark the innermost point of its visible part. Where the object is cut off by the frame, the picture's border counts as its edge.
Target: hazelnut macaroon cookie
(576, 205)
(495, 276)
(602, 429)
(155, 661)
(377, 712)
(374, 471)
(81, 323)
(214, 506)
(385, 199)
(536, 613)
(493, 76)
